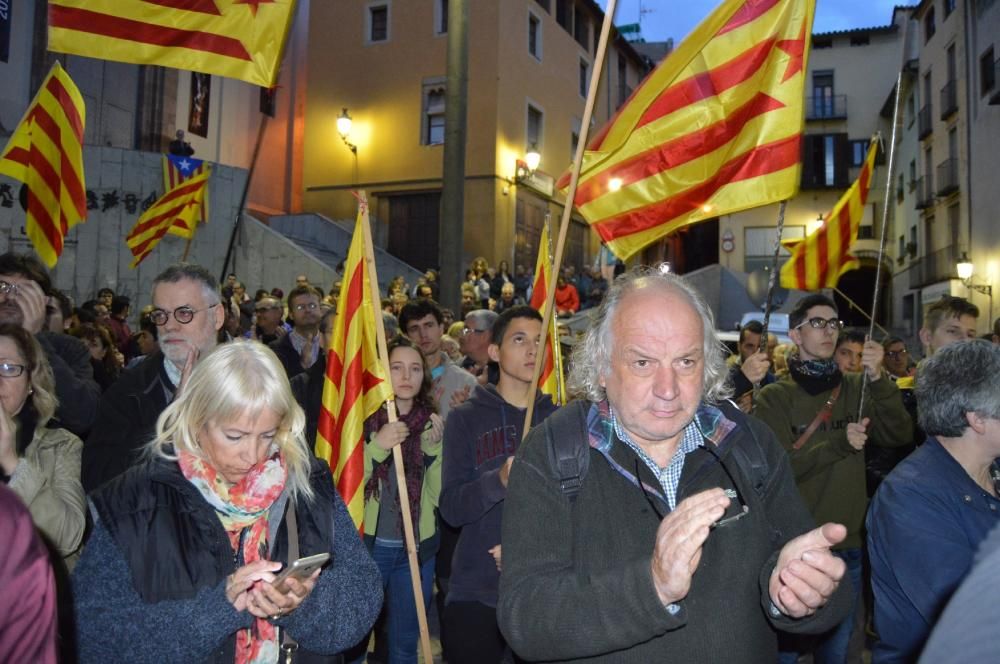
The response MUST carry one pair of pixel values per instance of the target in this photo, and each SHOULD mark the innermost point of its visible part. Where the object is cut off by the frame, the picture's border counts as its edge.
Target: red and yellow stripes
(551, 380)
(45, 152)
(172, 177)
(820, 259)
(223, 37)
(355, 385)
(713, 130)
(175, 212)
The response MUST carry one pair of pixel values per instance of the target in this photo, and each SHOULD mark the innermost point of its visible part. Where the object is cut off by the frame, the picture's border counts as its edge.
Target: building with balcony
(850, 79)
(529, 68)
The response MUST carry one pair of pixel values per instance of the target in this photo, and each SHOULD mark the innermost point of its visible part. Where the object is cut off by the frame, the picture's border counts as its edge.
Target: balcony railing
(826, 107)
(949, 99)
(933, 268)
(947, 177)
(925, 193)
(925, 124)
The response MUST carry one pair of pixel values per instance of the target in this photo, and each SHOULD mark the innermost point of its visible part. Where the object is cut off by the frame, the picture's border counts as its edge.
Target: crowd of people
(164, 503)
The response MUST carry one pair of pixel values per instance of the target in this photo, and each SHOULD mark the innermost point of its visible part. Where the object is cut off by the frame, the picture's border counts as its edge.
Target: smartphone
(301, 569)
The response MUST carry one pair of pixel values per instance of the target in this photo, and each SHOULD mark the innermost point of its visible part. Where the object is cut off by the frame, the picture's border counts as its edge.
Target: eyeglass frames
(182, 315)
(8, 289)
(818, 323)
(8, 370)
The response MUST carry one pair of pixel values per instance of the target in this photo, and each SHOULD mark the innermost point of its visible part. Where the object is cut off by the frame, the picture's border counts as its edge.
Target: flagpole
(885, 221)
(397, 453)
(243, 198)
(550, 295)
(187, 248)
(773, 277)
(855, 305)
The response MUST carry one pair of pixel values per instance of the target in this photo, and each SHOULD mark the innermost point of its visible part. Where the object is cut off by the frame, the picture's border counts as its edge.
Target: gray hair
(483, 317)
(960, 378)
(196, 273)
(391, 325)
(592, 357)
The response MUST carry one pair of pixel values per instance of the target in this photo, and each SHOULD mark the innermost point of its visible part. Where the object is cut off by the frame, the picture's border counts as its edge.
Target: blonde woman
(39, 461)
(187, 544)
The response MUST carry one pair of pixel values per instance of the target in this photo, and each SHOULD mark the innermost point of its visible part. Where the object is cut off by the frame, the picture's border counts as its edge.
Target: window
(859, 149)
(440, 17)
(913, 174)
(584, 77)
(930, 27)
(378, 23)
(949, 7)
(581, 31)
(911, 112)
(822, 42)
(533, 135)
(825, 162)
(544, 4)
(823, 103)
(987, 73)
(535, 36)
(564, 14)
(432, 129)
(574, 143)
(860, 40)
(623, 90)
(759, 244)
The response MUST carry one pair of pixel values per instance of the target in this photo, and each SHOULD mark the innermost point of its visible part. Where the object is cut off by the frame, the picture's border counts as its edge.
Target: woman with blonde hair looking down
(186, 545)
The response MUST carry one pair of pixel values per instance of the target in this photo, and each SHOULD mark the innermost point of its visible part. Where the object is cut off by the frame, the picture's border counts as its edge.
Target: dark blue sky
(663, 19)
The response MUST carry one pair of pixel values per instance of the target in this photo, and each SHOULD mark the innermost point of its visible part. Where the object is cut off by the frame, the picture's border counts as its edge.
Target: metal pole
(451, 238)
(243, 198)
(885, 223)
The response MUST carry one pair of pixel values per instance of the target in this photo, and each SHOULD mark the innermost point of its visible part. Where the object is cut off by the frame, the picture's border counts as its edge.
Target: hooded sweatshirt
(479, 435)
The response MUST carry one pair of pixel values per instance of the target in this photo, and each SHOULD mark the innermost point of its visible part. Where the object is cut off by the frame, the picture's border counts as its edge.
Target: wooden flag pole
(550, 295)
(773, 277)
(855, 305)
(885, 222)
(187, 245)
(397, 453)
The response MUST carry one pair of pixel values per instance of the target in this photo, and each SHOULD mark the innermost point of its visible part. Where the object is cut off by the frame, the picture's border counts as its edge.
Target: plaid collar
(708, 420)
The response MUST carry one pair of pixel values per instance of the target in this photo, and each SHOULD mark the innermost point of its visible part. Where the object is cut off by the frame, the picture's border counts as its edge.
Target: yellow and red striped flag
(45, 152)
(176, 211)
(356, 384)
(551, 381)
(820, 259)
(177, 169)
(714, 129)
(241, 39)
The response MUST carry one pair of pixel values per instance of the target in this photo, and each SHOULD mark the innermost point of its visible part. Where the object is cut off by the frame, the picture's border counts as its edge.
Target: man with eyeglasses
(188, 313)
(267, 325)
(813, 412)
(299, 349)
(685, 539)
(897, 358)
(475, 344)
(25, 294)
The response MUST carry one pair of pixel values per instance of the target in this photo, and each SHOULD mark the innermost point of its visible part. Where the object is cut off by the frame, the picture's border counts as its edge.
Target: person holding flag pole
(356, 387)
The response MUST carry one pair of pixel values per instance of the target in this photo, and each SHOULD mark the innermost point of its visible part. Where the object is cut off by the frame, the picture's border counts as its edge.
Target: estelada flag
(551, 380)
(241, 39)
(714, 129)
(45, 152)
(355, 384)
(820, 259)
(177, 169)
(175, 211)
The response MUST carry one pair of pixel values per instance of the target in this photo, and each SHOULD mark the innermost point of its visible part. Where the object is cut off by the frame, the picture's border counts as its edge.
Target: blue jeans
(402, 627)
(832, 649)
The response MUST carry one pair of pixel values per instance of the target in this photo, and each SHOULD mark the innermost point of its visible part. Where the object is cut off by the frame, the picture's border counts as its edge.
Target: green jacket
(426, 527)
(829, 472)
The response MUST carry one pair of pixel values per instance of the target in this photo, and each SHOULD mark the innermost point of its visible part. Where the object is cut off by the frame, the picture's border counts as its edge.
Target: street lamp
(965, 270)
(344, 124)
(526, 167)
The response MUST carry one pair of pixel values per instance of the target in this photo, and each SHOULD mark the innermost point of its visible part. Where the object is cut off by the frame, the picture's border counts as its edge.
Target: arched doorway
(856, 289)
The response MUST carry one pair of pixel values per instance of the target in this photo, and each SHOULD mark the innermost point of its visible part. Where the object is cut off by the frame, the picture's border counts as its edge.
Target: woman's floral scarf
(243, 508)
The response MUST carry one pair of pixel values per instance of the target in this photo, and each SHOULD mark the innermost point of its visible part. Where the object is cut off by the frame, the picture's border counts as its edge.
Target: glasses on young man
(895, 354)
(818, 323)
(311, 306)
(182, 315)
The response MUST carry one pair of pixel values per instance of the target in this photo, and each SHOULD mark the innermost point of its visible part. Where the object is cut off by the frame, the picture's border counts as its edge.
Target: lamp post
(965, 270)
(527, 166)
(344, 124)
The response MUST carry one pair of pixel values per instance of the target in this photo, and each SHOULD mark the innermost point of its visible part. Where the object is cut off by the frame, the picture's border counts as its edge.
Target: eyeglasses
(9, 289)
(312, 306)
(822, 323)
(893, 354)
(732, 494)
(182, 315)
(8, 370)
(471, 330)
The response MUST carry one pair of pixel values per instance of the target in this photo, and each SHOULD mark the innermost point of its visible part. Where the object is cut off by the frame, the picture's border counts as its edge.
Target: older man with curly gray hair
(680, 510)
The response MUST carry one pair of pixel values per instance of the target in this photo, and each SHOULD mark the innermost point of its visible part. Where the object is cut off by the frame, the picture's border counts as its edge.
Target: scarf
(413, 458)
(243, 509)
(814, 376)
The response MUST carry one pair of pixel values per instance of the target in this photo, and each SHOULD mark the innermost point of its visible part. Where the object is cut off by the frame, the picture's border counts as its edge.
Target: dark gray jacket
(76, 389)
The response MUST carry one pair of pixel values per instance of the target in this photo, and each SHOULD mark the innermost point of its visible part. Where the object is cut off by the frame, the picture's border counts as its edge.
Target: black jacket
(151, 585)
(126, 421)
(76, 389)
(308, 390)
(576, 579)
(290, 358)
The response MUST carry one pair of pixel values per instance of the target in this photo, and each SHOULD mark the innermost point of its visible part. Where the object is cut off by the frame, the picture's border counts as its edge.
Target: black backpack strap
(569, 453)
(751, 458)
